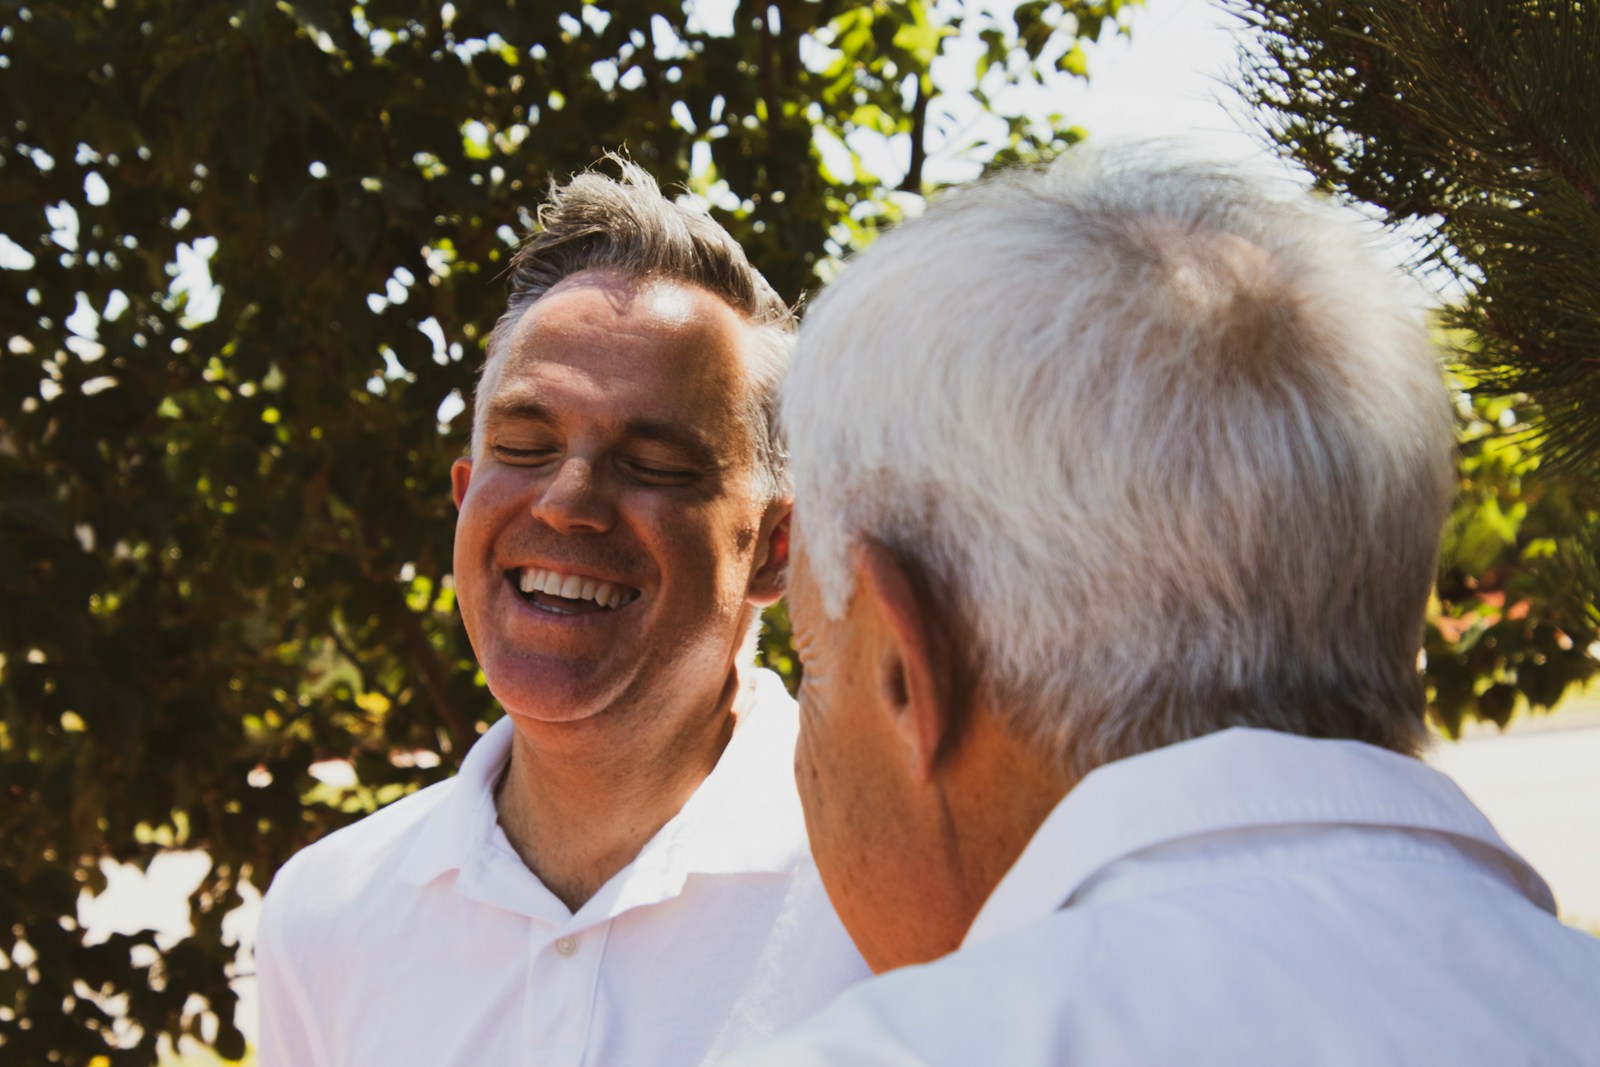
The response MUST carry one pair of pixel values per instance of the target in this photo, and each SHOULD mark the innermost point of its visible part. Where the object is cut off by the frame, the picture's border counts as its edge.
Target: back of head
(625, 226)
(1174, 451)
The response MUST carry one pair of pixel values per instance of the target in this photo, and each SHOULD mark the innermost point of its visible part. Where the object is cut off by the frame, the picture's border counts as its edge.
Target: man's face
(610, 520)
(875, 831)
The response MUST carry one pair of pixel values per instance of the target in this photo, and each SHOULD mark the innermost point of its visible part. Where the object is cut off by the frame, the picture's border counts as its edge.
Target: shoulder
(980, 1005)
(437, 824)
(1155, 981)
(913, 1017)
(342, 867)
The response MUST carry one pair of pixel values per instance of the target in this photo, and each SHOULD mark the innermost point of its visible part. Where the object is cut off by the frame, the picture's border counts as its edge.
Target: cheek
(816, 773)
(834, 775)
(744, 540)
(468, 535)
(852, 840)
(806, 771)
(683, 536)
(731, 524)
(488, 503)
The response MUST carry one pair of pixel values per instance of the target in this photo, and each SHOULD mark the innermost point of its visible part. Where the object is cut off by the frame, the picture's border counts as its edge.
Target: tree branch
(435, 682)
(1516, 121)
(919, 132)
(769, 87)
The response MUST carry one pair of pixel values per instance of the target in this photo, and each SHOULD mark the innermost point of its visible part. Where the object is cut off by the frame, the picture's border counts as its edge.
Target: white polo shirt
(1245, 898)
(417, 935)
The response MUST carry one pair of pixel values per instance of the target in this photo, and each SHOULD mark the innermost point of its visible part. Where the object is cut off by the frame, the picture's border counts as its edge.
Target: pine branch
(1474, 120)
(1485, 86)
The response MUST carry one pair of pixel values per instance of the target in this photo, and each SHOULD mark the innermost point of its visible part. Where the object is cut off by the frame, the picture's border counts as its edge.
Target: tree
(1513, 624)
(1472, 125)
(226, 533)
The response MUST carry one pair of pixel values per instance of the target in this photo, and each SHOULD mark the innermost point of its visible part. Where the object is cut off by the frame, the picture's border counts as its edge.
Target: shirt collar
(744, 818)
(1236, 779)
(465, 819)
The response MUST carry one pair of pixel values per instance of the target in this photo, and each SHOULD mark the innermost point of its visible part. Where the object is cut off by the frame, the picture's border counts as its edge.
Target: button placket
(562, 976)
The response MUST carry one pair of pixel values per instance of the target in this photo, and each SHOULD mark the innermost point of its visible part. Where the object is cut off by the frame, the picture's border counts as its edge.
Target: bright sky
(1170, 78)
(1173, 78)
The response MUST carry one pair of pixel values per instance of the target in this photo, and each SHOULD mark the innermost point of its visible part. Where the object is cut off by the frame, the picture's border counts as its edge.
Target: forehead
(646, 349)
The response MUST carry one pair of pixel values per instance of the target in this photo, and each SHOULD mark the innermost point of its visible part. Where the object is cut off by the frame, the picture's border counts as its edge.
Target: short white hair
(1173, 450)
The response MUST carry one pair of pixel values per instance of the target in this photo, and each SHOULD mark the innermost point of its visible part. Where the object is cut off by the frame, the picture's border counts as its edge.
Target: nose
(574, 500)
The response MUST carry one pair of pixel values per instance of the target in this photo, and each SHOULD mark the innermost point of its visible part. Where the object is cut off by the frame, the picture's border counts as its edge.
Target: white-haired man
(1118, 490)
(618, 875)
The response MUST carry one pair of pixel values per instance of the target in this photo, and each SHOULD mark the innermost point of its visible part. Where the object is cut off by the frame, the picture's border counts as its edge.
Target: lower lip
(549, 609)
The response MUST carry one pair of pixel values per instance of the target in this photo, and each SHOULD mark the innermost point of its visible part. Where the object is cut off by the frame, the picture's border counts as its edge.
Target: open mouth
(569, 594)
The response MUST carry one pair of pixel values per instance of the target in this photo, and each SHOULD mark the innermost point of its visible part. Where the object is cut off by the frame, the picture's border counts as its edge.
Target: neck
(580, 799)
(963, 829)
(997, 790)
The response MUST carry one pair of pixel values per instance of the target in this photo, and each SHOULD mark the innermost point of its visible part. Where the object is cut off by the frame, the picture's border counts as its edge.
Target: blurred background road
(1539, 782)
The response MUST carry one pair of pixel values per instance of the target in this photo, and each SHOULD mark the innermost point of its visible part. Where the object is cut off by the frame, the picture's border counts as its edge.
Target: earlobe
(460, 478)
(916, 681)
(772, 556)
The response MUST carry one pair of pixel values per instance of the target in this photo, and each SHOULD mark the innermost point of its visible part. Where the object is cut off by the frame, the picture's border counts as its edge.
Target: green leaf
(204, 570)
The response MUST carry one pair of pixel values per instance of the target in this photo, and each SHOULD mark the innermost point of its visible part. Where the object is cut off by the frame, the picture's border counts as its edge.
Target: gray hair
(625, 225)
(1175, 452)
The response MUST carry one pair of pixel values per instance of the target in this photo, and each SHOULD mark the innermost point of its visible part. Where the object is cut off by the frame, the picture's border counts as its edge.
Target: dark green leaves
(225, 538)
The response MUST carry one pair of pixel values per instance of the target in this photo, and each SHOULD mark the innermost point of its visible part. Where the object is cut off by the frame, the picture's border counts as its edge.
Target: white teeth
(572, 587)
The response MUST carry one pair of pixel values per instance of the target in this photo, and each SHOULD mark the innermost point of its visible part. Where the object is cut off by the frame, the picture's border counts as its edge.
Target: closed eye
(522, 456)
(652, 475)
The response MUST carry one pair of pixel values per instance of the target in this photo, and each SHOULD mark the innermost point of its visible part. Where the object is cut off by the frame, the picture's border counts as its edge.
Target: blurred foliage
(250, 252)
(1512, 626)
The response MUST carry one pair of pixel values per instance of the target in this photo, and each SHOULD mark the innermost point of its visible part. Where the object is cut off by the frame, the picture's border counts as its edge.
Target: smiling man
(1118, 489)
(618, 875)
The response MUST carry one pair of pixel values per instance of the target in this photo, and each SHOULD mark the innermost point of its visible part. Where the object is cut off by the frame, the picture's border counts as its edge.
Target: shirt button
(566, 946)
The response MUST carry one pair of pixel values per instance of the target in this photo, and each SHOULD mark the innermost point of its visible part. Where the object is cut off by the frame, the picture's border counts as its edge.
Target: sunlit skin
(917, 801)
(611, 449)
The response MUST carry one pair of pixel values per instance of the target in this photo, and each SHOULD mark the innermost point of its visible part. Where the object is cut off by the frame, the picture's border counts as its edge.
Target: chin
(547, 692)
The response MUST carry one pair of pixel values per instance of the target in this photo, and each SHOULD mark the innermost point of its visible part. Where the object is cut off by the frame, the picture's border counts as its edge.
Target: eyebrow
(697, 450)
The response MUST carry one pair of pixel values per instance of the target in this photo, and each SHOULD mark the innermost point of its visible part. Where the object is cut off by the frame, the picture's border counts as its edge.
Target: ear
(460, 478)
(772, 555)
(915, 675)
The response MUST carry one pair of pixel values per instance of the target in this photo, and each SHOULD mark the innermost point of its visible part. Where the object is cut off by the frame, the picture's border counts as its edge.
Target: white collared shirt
(1245, 898)
(417, 935)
